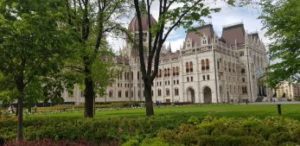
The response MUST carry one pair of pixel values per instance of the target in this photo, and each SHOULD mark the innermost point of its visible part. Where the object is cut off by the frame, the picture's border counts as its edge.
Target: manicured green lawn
(199, 110)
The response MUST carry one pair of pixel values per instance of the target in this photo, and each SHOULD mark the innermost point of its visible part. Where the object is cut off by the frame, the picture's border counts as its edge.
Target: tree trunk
(89, 93)
(148, 99)
(20, 86)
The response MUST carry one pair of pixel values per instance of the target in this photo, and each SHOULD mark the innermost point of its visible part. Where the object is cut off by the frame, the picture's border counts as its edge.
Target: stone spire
(169, 48)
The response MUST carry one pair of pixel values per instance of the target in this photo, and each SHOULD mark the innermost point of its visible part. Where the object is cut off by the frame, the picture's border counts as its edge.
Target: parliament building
(207, 69)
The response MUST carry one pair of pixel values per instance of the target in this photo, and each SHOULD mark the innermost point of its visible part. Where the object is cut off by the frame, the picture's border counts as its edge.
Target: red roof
(196, 34)
(133, 26)
(234, 34)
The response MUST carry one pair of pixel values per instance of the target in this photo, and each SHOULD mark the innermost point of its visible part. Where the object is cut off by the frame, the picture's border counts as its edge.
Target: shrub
(229, 131)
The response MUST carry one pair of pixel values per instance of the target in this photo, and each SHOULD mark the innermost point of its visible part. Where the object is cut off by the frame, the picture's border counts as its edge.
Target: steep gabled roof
(196, 34)
(134, 25)
(234, 34)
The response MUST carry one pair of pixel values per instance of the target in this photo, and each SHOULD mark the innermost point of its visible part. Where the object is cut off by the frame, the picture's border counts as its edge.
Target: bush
(229, 131)
(159, 131)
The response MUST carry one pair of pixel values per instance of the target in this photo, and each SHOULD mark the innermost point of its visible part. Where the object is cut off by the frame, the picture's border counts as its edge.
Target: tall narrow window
(120, 94)
(244, 90)
(202, 65)
(167, 92)
(174, 71)
(191, 66)
(187, 67)
(204, 40)
(207, 64)
(176, 91)
(110, 93)
(158, 92)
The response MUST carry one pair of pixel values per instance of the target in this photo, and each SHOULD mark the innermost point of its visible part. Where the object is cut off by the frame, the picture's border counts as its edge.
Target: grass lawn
(198, 110)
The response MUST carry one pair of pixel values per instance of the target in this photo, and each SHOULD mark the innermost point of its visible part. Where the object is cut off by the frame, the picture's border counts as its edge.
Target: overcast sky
(228, 15)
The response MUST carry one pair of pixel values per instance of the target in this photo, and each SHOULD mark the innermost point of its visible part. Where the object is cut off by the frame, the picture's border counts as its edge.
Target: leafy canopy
(33, 44)
(281, 19)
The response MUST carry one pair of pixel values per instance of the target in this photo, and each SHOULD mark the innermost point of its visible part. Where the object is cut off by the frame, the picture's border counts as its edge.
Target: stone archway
(207, 95)
(191, 94)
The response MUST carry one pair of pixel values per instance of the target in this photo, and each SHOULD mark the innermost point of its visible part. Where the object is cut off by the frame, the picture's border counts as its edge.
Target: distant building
(288, 91)
(206, 69)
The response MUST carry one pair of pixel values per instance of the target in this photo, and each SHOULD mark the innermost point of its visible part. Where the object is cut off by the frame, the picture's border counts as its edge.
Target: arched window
(158, 92)
(204, 40)
(120, 94)
(138, 75)
(176, 91)
(187, 67)
(202, 65)
(207, 64)
(165, 72)
(159, 73)
(110, 94)
(177, 71)
(167, 92)
(126, 94)
(191, 66)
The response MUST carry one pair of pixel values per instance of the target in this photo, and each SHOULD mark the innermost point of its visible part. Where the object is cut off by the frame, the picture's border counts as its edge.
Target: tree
(91, 21)
(281, 19)
(33, 45)
(172, 14)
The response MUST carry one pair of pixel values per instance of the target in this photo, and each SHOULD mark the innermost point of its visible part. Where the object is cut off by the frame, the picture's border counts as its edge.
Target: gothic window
(244, 90)
(159, 73)
(120, 94)
(174, 71)
(207, 77)
(177, 71)
(202, 65)
(191, 79)
(191, 67)
(203, 77)
(207, 64)
(138, 75)
(187, 67)
(167, 92)
(110, 94)
(126, 94)
(204, 40)
(158, 92)
(176, 92)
